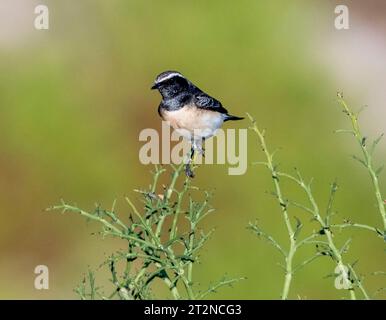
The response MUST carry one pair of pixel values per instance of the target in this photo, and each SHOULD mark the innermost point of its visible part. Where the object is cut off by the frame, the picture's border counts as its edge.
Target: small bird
(194, 114)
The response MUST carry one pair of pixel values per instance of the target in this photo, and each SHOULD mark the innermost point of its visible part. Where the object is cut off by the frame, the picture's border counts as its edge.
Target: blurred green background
(74, 98)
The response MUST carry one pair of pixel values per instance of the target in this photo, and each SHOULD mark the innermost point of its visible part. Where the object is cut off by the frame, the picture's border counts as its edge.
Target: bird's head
(170, 84)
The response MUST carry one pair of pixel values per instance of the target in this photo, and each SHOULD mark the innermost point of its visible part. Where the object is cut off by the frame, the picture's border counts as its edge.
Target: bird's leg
(200, 148)
(196, 148)
(188, 169)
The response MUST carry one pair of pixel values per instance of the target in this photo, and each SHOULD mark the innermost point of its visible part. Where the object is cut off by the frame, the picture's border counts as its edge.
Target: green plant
(163, 241)
(163, 237)
(367, 161)
(323, 238)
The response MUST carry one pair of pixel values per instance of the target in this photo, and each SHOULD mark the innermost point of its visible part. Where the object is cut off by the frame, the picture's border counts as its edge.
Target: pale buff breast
(191, 120)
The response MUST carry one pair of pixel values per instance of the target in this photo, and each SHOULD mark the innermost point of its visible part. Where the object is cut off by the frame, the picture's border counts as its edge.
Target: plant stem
(289, 271)
(191, 245)
(283, 205)
(172, 287)
(157, 173)
(158, 256)
(317, 216)
(360, 285)
(173, 230)
(367, 158)
(181, 273)
(65, 207)
(175, 175)
(357, 225)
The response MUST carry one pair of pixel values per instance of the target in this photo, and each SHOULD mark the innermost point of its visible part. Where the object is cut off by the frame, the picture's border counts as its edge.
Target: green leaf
(344, 131)
(299, 226)
(379, 170)
(329, 211)
(359, 160)
(375, 143)
(345, 247)
(361, 109)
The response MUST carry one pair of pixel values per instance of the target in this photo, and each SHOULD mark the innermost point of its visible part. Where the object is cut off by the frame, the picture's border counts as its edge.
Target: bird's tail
(230, 117)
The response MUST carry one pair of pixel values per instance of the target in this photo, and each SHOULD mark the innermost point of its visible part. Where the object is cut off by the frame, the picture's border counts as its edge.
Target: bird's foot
(188, 171)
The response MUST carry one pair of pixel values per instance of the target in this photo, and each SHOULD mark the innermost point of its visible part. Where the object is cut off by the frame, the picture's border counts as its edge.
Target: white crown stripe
(168, 76)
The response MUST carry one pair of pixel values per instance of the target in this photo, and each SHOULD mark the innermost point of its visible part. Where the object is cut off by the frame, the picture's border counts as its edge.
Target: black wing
(204, 101)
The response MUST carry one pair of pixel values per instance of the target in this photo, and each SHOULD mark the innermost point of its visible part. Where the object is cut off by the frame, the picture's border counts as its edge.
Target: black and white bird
(191, 112)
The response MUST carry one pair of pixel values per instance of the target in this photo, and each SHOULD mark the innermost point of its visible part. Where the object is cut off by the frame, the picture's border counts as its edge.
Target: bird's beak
(154, 87)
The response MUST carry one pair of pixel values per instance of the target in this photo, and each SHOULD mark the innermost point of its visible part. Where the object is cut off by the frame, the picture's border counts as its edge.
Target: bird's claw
(188, 171)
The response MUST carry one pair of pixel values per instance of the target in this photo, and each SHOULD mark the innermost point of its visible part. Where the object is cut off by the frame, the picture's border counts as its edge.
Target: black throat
(176, 102)
(176, 93)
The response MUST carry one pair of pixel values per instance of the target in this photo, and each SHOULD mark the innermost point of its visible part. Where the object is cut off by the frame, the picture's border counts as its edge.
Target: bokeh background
(74, 98)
